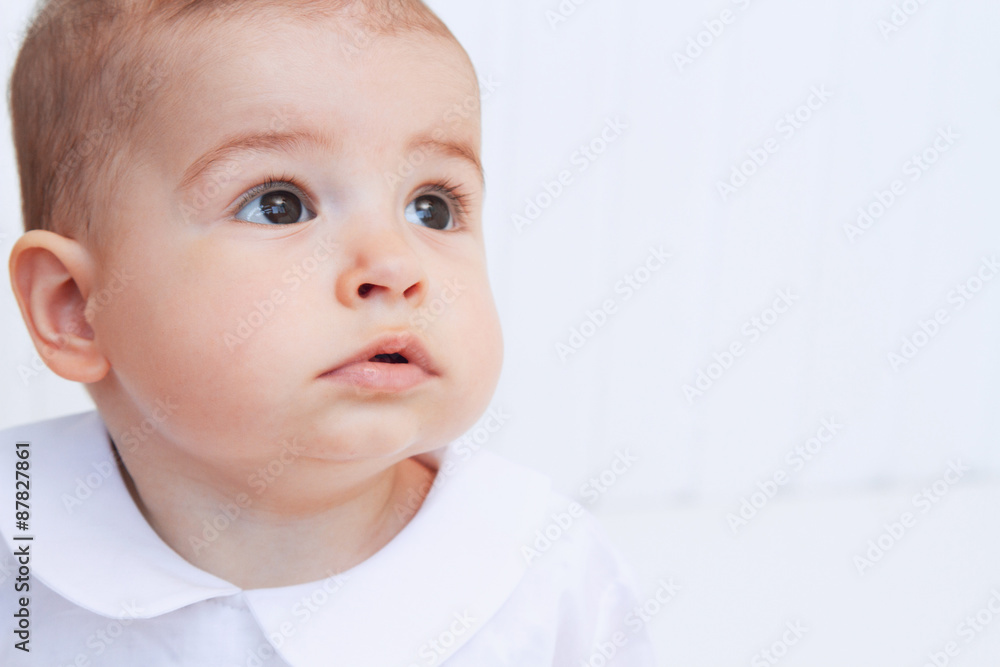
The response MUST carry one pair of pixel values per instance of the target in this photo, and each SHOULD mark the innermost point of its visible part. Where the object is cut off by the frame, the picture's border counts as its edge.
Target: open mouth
(394, 358)
(407, 365)
(389, 348)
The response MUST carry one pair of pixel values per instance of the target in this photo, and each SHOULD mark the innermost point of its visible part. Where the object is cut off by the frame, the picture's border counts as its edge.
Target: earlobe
(52, 276)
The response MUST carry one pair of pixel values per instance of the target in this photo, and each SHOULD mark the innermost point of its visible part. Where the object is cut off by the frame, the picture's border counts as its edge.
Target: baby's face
(298, 197)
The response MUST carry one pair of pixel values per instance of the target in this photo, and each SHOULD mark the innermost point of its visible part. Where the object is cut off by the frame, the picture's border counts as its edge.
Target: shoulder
(577, 592)
(572, 544)
(55, 460)
(83, 424)
(560, 534)
(48, 450)
(599, 609)
(551, 532)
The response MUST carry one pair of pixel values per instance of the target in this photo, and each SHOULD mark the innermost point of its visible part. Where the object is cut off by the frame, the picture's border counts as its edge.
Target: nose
(381, 266)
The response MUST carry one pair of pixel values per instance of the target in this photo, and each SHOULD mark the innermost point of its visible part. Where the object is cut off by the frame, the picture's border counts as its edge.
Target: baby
(238, 215)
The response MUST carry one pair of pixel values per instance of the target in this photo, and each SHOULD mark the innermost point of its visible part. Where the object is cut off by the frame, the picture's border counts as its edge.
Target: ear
(51, 276)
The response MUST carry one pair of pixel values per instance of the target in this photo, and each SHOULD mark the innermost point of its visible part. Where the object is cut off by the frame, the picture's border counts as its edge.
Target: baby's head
(228, 200)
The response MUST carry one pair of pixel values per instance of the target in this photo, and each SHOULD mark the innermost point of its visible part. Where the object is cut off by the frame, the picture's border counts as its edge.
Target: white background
(687, 125)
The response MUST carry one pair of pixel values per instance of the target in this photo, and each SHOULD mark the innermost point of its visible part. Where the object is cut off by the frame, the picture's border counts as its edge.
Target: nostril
(414, 290)
(364, 289)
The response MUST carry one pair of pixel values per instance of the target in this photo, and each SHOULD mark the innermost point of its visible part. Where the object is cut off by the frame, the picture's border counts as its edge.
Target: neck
(316, 519)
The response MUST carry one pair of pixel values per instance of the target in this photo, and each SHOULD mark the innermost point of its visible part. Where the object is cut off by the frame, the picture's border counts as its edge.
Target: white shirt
(494, 569)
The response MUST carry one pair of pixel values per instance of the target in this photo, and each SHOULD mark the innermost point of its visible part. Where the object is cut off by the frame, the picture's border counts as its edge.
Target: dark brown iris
(281, 207)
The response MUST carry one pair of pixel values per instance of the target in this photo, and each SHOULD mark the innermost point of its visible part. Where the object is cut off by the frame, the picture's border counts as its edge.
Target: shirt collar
(445, 574)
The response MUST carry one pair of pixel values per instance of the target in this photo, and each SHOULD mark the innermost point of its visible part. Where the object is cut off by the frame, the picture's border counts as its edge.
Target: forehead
(365, 93)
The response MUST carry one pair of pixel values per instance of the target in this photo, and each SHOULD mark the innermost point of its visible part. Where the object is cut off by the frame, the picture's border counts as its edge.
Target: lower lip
(379, 376)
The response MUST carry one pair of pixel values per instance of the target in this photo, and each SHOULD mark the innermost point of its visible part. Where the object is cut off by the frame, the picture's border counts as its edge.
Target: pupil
(281, 207)
(431, 215)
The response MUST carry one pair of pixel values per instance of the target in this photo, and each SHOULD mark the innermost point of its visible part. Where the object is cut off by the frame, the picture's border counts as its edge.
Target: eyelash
(271, 182)
(460, 199)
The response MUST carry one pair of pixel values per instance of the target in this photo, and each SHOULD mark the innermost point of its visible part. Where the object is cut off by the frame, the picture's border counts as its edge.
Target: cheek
(469, 340)
(480, 338)
(191, 324)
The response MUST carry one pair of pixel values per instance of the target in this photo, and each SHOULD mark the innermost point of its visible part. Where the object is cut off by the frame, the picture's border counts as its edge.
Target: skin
(153, 314)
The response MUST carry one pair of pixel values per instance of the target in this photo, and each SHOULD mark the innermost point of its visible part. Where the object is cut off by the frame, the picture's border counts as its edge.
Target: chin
(359, 437)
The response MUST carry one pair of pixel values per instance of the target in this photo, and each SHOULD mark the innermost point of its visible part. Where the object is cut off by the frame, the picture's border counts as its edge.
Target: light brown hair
(88, 69)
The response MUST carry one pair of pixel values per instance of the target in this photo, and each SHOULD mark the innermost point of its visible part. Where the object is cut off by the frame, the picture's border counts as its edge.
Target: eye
(276, 207)
(429, 210)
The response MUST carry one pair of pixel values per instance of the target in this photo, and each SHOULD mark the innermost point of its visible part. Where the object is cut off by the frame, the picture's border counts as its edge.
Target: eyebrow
(461, 150)
(292, 140)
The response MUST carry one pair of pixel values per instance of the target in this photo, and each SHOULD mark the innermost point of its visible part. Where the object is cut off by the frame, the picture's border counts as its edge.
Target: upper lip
(398, 342)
